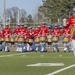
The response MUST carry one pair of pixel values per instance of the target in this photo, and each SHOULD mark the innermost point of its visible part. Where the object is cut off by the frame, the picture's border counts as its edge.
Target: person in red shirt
(19, 32)
(2, 41)
(43, 33)
(49, 38)
(27, 34)
(37, 39)
(1, 47)
(56, 33)
(33, 37)
(66, 34)
(7, 34)
(44, 30)
(30, 32)
(71, 22)
(6, 31)
(16, 34)
(16, 31)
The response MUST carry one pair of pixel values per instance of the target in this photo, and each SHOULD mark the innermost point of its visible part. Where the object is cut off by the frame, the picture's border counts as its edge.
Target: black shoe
(57, 50)
(36, 51)
(68, 51)
(1, 50)
(64, 51)
(41, 51)
(45, 51)
(53, 51)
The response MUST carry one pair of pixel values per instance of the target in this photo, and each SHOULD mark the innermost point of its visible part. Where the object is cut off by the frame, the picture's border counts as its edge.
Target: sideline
(55, 72)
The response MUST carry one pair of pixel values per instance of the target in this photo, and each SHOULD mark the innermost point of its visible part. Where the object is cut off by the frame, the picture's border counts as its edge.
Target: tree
(23, 16)
(30, 20)
(58, 8)
(13, 14)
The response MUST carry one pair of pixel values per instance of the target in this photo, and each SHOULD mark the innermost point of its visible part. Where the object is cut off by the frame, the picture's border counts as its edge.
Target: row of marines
(28, 38)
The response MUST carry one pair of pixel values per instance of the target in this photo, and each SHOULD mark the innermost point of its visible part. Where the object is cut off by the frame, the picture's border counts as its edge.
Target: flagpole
(4, 20)
(18, 16)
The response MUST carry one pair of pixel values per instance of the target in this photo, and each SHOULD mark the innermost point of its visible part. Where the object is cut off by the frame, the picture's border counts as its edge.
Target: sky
(30, 6)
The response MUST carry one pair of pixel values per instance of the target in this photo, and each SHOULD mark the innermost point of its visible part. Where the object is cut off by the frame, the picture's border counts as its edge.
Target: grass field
(13, 63)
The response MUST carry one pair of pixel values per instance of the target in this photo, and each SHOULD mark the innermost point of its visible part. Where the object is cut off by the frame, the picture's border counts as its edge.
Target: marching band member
(43, 32)
(1, 42)
(33, 37)
(37, 40)
(66, 33)
(6, 34)
(16, 33)
(71, 22)
(20, 33)
(49, 38)
(27, 34)
(55, 32)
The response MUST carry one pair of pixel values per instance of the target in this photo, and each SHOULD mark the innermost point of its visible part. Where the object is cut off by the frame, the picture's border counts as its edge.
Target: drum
(2, 39)
(55, 39)
(12, 40)
(27, 40)
(66, 39)
(49, 41)
(37, 40)
(20, 39)
(30, 40)
(6, 40)
(42, 38)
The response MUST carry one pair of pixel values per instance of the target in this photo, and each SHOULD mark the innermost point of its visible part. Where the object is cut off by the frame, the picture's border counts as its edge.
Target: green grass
(17, 64)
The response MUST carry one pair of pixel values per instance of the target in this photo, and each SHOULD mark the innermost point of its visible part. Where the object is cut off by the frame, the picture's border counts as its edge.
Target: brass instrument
(72, 32)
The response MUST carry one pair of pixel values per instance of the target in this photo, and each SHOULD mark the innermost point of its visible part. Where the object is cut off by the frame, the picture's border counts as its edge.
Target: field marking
(55, 72)
(11, 55)
(47, 64)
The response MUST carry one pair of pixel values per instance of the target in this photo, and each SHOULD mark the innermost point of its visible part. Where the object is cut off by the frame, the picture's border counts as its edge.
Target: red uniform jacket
(16, 31)
(56, 31)
(71, 22)
(33, 33)
(37, 33)
(44, 30)
(0, 34)
(20, 32)
(66, 32)
(27, 34)
(6, 32)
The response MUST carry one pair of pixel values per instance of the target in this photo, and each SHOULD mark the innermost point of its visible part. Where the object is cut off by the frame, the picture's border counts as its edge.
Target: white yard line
(47, 64)
(11, 55)
(61, 70)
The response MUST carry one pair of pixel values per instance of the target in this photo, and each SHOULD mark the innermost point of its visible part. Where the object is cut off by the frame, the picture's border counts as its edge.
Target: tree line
(50, 11)
(54, 9)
